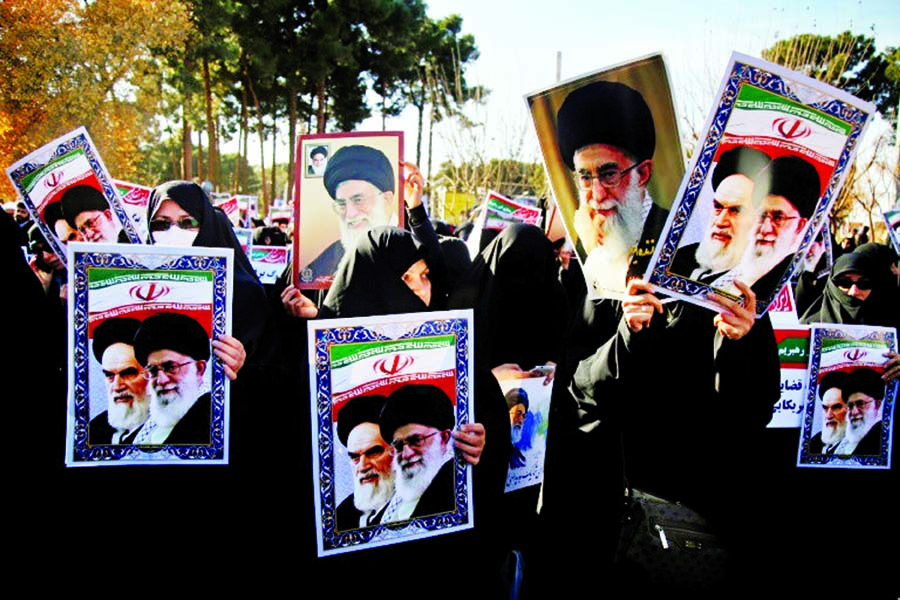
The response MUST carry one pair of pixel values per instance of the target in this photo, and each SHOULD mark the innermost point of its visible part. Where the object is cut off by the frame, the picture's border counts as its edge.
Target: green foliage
(846, 61)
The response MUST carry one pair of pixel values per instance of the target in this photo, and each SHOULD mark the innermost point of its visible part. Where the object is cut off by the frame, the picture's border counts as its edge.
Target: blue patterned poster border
(409, 331)
(52, 166)
(156, 273)
(795, 90)
(864, 350)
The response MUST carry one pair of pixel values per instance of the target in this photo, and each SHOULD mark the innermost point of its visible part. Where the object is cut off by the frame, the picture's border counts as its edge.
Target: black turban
(171, 331)
(832, 379)
(416, 403)
(119, 330)
(740, 160)
(794, 179)
(53, 213)
(362, 409)
(516, 396)
(359, 163)
(866, 381)
(605, 112)
(319, 150)
(80, 198)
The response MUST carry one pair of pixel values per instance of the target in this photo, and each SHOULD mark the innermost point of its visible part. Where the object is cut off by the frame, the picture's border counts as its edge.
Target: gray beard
(411, 483)
(168, 412)
(855, 433)
(607, 265)
(350, 237)
(516, 434)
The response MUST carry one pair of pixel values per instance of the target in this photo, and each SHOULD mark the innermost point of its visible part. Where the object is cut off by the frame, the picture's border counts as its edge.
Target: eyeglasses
(414, 441)
(90, 225)
(778, 218)
(185, 223)
(846, 282)
(608, 178)
(372, 453)
(169, 368)
(859, 404)
(127, 374)
(359, 202)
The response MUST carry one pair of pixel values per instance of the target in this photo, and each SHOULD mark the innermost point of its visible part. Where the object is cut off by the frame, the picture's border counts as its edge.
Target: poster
(144, 386)
(848, 417)
(346, 183)
(612, 152)
(269, 262)
(776, 150)
(892, 221)
(497, 213)
(70, 168)
(388, 392)
(528, 401)
(135, 199)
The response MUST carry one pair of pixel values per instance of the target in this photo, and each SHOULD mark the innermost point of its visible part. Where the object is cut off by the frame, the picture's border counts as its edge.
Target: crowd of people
(667, 397)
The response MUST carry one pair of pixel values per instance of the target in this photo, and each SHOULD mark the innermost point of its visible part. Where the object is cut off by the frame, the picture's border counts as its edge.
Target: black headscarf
(250, 314)
(369, 280)
(520, 306)
(882, 306)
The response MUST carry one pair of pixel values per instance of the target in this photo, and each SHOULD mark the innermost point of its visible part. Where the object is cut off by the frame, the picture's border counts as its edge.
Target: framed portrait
(612, 152)
(144, 384)
(388, 392)
(848, 415)
(528, 401)
(70, 194)
(772, 159)
(360, 187)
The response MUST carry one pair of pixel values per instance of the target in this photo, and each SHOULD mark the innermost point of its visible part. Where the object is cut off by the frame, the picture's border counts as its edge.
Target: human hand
(469, 440)
(297, 304)
(231, 352)
(734, 321)
(414, 185)
(509, 371)
(891, 367)
(546, 371)
(639, 304)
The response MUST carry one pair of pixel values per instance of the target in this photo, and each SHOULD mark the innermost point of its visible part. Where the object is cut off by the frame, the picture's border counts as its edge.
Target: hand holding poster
(388, 393)
(70, 194)
(776, 151)
(848, 417)
(145, 386)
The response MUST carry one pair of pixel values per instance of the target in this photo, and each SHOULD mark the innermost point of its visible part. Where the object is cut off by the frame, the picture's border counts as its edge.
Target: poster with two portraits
(388, 392)
(144, 385)
(772, 158)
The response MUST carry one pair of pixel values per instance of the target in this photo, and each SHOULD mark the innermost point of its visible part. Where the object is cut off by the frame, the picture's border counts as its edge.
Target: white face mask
(175, 236)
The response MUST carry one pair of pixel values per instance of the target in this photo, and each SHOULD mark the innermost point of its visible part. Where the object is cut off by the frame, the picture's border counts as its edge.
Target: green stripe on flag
(100, 277)
(754, 98)
(343, 355)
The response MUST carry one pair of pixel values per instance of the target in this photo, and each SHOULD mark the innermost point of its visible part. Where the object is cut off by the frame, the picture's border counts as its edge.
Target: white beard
(371, 496)
(127, 417)
(378, 216)
(516, 434)
(713, 256)
(607, 265)
(856, 432)
(832, 435)
(412, 481)
(169, 409)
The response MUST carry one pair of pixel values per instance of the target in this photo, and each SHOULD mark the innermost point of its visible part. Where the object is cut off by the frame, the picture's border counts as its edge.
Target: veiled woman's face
(171, 225)
(854, 285)
(416, 278)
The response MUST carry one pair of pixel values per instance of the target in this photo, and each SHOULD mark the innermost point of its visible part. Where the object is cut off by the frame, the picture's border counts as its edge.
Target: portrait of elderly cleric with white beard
(418, 419)
(370, 459)
(357, 190)
(127, 399)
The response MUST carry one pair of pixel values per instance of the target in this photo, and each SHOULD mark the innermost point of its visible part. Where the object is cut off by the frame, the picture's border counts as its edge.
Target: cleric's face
(361, 206)
(778, 229)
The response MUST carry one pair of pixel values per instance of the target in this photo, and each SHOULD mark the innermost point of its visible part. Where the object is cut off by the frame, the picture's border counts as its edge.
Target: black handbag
(669, 545)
